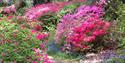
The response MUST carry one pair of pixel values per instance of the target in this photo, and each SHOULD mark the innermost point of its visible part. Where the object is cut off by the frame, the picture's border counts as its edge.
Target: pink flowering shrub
(40, 10)
(83, 28)
(69, 21)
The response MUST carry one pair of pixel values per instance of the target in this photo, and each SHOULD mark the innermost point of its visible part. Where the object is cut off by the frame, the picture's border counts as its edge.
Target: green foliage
(115, 13)
(16, 44)
(121, 26)
(111, 10)
(28, 3)
(116, 60)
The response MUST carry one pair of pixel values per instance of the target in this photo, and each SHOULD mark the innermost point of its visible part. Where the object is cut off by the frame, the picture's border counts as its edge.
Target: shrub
(40, 10)
(120, 26)
(84, 35)
(19, 44)
(83, 27)
(51, 20)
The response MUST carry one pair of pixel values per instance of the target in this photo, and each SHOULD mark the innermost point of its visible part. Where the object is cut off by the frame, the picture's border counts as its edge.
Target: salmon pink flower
(33, 31)
(37, 50)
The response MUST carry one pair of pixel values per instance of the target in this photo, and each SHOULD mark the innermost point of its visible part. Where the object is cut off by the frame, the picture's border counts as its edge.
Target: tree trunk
(19, 4)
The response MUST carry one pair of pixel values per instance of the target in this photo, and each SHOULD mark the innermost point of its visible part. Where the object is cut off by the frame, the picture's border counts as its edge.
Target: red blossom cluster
(41, 36)
(88, 32)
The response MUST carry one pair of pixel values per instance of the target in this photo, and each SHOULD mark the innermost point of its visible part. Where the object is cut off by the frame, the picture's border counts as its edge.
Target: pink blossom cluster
(88, 32)
(40, 10)
(92, 10)
(39, 35)
(69, 21)
(42, 55)
(9, 9)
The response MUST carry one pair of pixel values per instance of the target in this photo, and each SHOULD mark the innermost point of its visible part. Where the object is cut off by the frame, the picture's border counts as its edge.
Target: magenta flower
(41, 36)
(34, 62)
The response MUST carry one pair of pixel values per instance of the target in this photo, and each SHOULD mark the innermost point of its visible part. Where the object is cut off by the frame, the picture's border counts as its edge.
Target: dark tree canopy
(123, 1)
(35, 2)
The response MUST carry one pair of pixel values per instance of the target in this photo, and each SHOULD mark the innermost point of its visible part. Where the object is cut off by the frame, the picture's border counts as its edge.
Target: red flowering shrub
(69, 21)
(83, 35)
(83, 28)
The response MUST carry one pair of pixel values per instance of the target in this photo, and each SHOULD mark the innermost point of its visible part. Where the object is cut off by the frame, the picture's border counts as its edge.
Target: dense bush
(82, 28)
(21, 44)
(83, 36)
(40, 10)
(111, 9)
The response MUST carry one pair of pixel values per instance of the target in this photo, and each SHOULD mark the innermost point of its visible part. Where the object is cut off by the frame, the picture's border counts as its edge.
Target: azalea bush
(83, 28)
(76, 19)
(40, 10)
(21, 44)
(89, 32)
